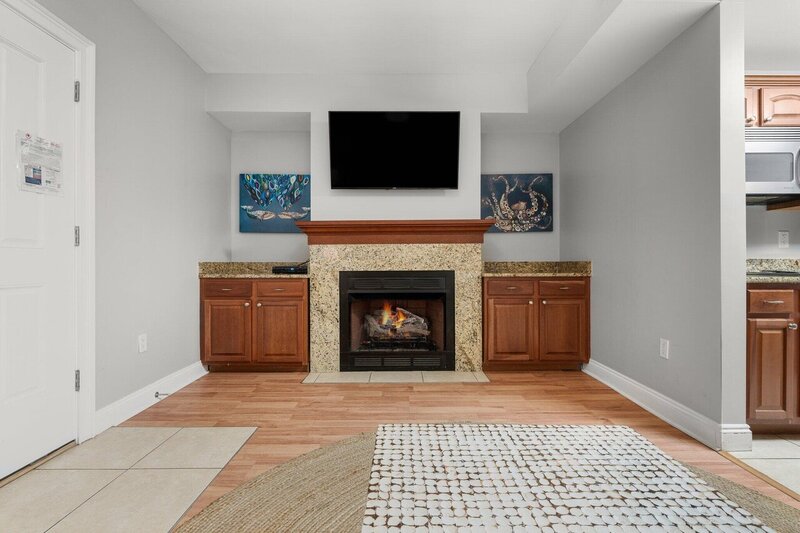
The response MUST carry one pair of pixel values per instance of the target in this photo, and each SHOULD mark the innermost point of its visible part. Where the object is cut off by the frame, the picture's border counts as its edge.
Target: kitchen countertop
(754, 266)
(554, 269)
(240, 269)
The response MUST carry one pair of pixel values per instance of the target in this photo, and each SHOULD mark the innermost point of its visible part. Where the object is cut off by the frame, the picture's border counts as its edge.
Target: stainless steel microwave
(772, 161)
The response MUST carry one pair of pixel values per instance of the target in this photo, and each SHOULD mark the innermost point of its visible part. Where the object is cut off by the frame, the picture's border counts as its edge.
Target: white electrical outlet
(783, 239)
(663, 350)
(142, 342)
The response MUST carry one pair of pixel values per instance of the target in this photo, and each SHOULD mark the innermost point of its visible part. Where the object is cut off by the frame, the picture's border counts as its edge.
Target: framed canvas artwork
(270, 203)
(517, 202)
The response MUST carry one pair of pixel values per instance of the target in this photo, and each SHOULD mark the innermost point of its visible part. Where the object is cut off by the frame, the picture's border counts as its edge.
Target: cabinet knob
(792, 325)
(768, 119)
(751, 118)
(247, 304)
(258, 304)
(530, 302)
(544, 302)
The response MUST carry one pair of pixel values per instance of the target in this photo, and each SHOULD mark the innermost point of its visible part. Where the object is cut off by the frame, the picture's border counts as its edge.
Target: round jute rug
(326, 491)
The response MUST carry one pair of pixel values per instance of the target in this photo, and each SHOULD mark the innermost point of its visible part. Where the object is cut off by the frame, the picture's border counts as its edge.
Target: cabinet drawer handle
(279, 289)
(247, 304)
(512, 287)
(226, 289)
(772, 302)
(792, 325)
(258, 304)
(563, 288)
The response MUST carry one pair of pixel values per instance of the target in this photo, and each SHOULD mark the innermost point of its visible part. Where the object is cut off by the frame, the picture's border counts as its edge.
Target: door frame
(84, 51)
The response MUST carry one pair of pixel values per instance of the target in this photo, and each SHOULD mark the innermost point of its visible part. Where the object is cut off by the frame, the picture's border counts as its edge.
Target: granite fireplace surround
(394, 245)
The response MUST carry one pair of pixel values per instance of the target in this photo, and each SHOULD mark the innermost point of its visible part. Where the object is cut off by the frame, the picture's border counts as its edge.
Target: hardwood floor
(293, 418)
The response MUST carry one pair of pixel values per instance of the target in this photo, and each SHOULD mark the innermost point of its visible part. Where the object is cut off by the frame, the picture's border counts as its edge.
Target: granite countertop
(755, 267)
(240, 269)
(553, 269)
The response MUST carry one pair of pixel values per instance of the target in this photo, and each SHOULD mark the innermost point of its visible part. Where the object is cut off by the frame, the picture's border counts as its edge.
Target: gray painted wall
(291, 152)
(762, 233)
(162, 194)
(267, 152)
(640, 184)
(514, 152)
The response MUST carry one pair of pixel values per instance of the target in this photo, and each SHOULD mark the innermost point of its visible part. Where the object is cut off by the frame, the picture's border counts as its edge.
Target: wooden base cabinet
(265, 327)
(535, 323)
(773, 358)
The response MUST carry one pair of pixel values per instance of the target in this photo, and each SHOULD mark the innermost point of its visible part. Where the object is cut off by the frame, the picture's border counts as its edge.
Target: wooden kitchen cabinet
(281, 331)
(772, 101)
(780, 106)
(773, 349)
(227, 333)
(773, 358)
(254, 324)
(510, 331)
(535, 323)
(562, 330)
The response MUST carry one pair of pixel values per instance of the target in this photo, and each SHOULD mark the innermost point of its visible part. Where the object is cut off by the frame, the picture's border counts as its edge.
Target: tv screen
(394, 150)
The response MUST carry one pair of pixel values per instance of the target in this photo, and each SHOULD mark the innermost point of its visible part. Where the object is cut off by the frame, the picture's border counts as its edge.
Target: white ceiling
(573, 51)
(359, 36)
(772, 35)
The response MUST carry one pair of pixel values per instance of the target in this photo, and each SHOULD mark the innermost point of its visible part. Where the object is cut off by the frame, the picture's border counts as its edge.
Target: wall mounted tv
(394, 150)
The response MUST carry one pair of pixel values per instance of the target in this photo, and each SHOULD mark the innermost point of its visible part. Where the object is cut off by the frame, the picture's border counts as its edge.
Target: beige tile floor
(776, 456)
(404, 376)
(125, 479)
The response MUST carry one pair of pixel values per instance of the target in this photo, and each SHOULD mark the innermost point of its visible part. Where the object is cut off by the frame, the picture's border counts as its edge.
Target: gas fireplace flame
(392, 317)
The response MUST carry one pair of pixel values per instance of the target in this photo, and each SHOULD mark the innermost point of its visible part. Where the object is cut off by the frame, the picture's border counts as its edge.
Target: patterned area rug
(551, 478)
(327, 490)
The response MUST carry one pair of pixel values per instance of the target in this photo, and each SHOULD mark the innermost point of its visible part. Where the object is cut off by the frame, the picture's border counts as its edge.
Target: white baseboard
(138, 401)
(736, 438)
(728, 437)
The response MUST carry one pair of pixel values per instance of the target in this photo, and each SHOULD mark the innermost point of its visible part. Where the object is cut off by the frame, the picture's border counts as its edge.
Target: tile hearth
(413, 376)
(444, 477)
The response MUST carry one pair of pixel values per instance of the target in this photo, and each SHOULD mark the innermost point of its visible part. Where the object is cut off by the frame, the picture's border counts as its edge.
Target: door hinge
(77, 235)
(77, 380)
(77, 93)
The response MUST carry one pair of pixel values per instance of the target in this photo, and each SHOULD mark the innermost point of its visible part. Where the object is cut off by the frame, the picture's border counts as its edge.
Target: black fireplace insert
(397, 320)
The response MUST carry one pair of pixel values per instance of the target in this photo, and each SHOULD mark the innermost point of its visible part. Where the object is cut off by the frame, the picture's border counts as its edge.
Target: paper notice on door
(39, 163)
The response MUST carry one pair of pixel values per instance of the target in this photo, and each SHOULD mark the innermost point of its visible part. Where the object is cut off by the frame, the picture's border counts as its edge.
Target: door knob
(792, 325)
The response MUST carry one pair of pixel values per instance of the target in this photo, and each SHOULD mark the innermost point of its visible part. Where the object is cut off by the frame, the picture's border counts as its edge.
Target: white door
(38, 402)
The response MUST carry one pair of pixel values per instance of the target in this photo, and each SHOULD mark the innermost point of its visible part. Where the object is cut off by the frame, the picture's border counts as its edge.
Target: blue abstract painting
(271, 203)
(517, 202)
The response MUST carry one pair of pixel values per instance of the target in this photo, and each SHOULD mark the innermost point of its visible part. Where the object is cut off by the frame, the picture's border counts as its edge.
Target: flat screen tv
(394, 150)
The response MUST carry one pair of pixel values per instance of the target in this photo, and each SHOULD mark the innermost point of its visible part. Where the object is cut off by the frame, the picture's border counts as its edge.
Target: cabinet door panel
(562, 330)
(226, 330)
(772, 348)
(751, 108)
(780, 106)
(510, 329)
(281, 335)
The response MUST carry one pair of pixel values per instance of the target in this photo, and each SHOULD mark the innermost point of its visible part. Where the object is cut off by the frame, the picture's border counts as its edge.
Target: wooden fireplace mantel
(395, 231)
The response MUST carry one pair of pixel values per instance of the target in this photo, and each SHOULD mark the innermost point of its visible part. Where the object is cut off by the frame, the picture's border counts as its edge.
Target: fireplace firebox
(397, 320)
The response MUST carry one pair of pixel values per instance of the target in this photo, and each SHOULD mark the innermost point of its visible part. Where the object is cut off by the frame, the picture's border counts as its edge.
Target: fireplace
(397, 320)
